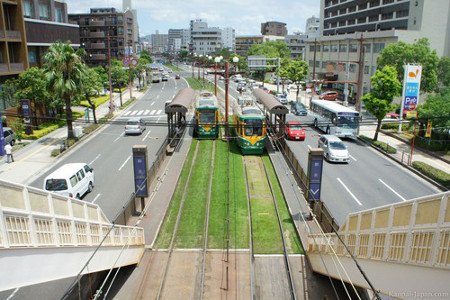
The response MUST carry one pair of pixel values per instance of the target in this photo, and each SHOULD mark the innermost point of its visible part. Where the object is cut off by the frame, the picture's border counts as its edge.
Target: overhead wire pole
(360, 74)
(111, 102)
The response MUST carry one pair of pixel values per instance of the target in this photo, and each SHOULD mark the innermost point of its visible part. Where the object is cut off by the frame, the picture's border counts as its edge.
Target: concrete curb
(436, 184)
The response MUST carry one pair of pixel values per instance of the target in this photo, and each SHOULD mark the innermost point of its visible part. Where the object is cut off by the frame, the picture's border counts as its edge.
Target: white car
(71, 180)
(334, 150)
(134, 126)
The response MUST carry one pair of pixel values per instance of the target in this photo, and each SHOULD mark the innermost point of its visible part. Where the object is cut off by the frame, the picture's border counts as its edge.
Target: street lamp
(235, 60)
(217, 60)
(198, 66)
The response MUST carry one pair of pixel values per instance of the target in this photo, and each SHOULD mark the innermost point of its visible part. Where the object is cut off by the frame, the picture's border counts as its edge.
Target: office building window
(352, 68)
(374, 3)
(377, 47)
(43, 11)
(362, 20)
(27, 9)
(343, 48)
(311, 63)
(341, 23)
(334, 48)
(32, 57)
(353, 48)
(58, 15)
(388, 1)
(367, 48)
(374, 18)
(402, 13)
(387, 16)
(374, 69)
(326, 48)
(366, 70)
(351, 22)
(352, 9)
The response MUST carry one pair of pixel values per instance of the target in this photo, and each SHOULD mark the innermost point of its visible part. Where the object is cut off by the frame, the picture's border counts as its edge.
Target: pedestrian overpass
(45, 237)
(403, 248)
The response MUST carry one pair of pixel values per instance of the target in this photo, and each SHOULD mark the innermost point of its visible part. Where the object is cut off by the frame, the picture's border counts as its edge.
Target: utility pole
(360, 74)
(314, 65)
(226, 97)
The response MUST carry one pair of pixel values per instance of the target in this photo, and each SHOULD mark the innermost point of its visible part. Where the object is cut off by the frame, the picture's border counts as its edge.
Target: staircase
(403, 248)
(45, 237)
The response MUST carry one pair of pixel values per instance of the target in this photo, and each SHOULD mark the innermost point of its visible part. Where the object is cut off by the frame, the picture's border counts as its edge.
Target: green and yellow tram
(250, 130)
(207, 116)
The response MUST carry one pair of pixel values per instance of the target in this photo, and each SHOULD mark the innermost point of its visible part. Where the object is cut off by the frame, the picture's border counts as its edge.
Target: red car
(294, 131)
(329, 95)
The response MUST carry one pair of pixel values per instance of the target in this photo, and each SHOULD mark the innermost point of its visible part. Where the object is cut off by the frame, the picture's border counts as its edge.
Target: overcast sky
(245, 16)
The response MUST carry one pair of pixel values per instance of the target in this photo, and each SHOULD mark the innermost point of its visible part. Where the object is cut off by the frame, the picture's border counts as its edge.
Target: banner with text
(411, 87)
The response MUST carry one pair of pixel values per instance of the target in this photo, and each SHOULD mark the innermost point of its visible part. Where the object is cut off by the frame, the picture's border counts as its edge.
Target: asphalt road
(369, 180)
(110, 151)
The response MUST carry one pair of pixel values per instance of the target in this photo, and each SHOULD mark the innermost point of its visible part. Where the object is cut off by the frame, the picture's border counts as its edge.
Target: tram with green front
(250, 130)
(207, 116)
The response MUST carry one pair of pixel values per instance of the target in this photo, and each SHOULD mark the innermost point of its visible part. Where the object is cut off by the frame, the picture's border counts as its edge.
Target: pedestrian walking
(9, 155)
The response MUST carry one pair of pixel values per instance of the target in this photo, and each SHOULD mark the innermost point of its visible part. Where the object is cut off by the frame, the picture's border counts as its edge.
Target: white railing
(414, 232)
(31, 217)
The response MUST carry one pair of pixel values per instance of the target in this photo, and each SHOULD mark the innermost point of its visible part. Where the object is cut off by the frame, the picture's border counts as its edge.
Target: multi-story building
(126, 5)
(244, 42)
(186, 39)
(160, 42)
(312, 27)
(103, 29)
(341, 53)
(204, 39)
(46, 23)
(13, 46)
(296, 43)
(274, 28)
(175, 37)
(229, 38)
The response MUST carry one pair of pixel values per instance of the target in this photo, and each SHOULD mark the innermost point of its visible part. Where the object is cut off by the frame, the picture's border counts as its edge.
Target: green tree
(119, 76)
(140, 69)
(437, 109)
(146, 55)
(103, 74)
(8, 93)
(32, 84)
(400, 53)
(444, 73)
(91, 85)
(64, 72)
(295, 70)
(385, 86)
(271, 49)
(183, 55)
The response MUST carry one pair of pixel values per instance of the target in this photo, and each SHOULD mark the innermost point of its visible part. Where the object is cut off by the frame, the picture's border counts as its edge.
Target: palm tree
(64, 71)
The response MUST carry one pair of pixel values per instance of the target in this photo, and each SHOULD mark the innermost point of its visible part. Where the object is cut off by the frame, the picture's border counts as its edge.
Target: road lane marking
(392, 190)
(348, 190)
(153, 112)
(96, 197)
(159, 118)
(118, 137)
(145, 137)
(133, 113)
(159, 112)
(146, 112)
(123, 165)
(152, 103)
(352, 157)
(95, 159)
(140, 113)
(127, 113)
(13, 294)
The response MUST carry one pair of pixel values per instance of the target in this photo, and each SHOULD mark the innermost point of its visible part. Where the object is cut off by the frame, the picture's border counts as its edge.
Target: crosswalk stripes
(142, 112)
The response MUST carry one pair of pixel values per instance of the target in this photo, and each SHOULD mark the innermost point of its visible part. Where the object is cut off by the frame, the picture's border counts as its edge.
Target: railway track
(252, 162)
(177, 224)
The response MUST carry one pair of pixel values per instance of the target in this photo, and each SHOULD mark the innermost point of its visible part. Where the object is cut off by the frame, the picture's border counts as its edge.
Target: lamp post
(198, 66)
(193, 63)
(227, 73)
(216, 61)
(111, 102)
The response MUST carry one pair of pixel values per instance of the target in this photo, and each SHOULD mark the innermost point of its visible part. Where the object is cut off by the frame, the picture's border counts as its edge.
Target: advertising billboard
(411, 88)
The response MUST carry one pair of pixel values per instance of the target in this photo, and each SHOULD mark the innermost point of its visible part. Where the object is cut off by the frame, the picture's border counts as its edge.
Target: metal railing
(414, 232)
(30, 217)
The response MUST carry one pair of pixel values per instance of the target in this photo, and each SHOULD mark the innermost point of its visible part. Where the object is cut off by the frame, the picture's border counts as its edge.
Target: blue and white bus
(333, 118)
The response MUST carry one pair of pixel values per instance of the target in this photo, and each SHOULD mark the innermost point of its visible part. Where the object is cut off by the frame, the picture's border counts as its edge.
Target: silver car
(134, 126)
(333, 148)
(9, 135)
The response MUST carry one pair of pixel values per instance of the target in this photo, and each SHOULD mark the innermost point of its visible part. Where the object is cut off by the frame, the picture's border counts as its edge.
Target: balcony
(17, 67)
(13, 34)
(98, 57)
(98, 46)
(97, 34)
(97, 23)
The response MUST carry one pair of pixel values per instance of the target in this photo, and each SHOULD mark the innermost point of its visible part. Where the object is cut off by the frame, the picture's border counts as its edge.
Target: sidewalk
(35, 158)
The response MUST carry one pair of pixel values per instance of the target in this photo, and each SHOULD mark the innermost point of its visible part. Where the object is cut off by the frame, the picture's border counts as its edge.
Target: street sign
(429, 129)
(25, 103)
(126, 61)
(140, 170)
(134, 62)
(315, 166)
(257, 62)
(411, 87)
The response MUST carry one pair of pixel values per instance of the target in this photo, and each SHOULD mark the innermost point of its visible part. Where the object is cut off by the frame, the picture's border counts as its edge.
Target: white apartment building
(204, 39)
(312, 27)
(229, 38)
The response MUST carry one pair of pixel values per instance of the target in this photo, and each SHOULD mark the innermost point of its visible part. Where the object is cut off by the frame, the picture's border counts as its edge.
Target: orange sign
(429, 128)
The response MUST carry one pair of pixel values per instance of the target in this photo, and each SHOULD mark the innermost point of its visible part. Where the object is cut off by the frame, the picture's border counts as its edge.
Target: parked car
(329, 95)
(333, 148)
(298, 109)
(177, 76)
(9, 135)
(294, 131)
(134, 125)
(282, 98)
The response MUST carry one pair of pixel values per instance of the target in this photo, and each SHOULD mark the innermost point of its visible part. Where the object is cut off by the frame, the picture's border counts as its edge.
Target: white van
(71, 180)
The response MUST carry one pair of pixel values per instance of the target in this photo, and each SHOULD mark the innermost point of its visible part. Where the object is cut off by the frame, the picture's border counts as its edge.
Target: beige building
(274, 28)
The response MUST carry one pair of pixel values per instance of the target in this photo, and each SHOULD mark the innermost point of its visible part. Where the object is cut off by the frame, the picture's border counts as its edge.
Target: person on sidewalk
(9, 155)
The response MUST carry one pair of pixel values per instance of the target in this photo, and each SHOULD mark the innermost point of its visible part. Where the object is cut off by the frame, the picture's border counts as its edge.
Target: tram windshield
(253, 127)
(207, 117)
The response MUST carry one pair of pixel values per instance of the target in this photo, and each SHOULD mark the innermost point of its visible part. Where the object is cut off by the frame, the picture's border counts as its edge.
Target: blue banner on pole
(140, 176)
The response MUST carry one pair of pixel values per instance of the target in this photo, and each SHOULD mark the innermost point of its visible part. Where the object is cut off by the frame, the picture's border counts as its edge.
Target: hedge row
(97, 101)
(382, 145)
(433, 173)
(38, 133)
(394, 126)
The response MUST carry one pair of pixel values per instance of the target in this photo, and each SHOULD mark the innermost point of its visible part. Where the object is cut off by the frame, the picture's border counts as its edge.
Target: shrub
(90, 128)
(55, 152)
(394, 126)
(42, 130)
(97, 101)
(433, 173)
(378, 144)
